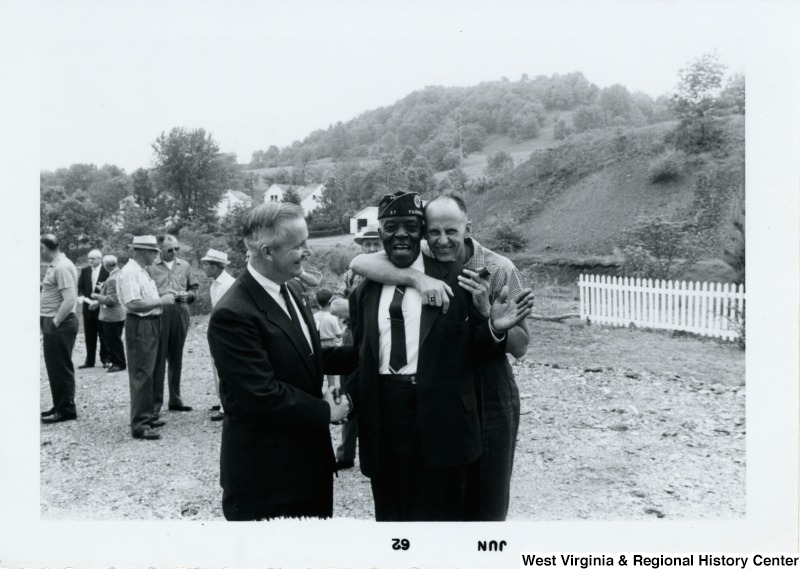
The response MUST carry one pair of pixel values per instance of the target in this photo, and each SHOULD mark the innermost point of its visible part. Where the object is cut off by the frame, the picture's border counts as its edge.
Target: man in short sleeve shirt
(172, 276)
(59, 326)
(138, 293)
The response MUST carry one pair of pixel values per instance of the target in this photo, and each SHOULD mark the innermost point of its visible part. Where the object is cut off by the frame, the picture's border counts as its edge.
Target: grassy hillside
(579, 197)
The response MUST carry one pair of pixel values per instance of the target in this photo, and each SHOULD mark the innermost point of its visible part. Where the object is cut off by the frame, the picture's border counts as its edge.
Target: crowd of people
(418, 331)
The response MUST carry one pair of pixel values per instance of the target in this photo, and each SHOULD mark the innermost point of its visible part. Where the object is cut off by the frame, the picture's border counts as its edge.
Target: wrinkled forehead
(401, 219)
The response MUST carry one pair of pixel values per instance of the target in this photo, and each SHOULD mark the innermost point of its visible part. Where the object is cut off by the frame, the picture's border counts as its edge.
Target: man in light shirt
(112, 316)
(172, 276)
(214, 264)
(419, 428)
(139, 294)
(59, 327)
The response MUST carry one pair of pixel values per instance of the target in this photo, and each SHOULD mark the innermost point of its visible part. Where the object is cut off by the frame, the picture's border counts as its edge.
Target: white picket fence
(708, 309)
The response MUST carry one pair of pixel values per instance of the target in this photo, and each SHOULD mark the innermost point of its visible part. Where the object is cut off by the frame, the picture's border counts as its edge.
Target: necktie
(397, 356)
(294, 316)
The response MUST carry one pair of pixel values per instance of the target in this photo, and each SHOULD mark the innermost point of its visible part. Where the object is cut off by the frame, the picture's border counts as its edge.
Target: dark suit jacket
(85, 287)
(450, 344)
(276, 443)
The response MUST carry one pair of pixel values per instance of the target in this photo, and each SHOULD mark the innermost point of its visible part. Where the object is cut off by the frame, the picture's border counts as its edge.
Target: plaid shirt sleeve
(504, 273)
(128, 288)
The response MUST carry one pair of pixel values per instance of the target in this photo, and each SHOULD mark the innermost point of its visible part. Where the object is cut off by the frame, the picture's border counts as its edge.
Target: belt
(412, 379)
(150, 317)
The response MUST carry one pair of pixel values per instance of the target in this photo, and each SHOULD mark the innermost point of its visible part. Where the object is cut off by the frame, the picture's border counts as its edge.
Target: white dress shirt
(274, 290)
(220, 286)
(412, 316)
(95, 276)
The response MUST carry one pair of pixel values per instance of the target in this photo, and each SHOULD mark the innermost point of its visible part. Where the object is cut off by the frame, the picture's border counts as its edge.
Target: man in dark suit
(419, 428)
(276, 458)
(91, 280)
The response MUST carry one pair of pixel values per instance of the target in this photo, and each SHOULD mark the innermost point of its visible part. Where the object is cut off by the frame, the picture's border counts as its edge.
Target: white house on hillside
(310, 195)
(230, 199)
(367, 216)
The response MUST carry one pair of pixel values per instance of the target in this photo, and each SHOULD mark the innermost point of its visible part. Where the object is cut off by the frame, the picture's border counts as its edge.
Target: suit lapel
(279, 318)
(309, 320)
(372, 297)
(430, 313)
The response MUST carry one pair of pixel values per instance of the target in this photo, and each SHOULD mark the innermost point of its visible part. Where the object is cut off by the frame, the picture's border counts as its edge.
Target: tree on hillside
(107, 194)
(75, 219)
(498, 164)
(588, 117)
(143, 191)
(696, 102)
(734, 253)
(189, 167)
(290, 195)
(654, 245)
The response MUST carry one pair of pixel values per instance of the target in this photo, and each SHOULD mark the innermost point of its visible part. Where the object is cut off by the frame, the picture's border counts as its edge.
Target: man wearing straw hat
(214, 264)
(138, 293)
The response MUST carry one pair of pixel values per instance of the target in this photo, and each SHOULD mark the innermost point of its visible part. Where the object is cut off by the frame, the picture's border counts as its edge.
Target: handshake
(340, 406)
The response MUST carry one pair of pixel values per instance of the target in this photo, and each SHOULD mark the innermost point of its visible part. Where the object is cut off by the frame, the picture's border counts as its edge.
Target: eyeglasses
(173, 249)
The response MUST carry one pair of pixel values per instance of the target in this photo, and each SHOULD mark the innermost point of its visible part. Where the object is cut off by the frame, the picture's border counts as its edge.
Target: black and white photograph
(524, 274)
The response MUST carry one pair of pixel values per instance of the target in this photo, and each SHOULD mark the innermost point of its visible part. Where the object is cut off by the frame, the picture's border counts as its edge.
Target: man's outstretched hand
(505, 313)
(340, 406)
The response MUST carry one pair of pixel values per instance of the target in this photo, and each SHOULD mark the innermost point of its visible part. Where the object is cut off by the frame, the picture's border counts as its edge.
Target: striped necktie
(294, 316)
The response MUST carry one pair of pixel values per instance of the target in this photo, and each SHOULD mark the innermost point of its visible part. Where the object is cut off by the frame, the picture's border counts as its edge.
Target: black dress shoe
(114, 369)
(179, 408)
(217, 416)
(146, 434)
(58, 418)
(84, 366)
(345, 464)
(157, 423)
(215, 408)
(48, 412)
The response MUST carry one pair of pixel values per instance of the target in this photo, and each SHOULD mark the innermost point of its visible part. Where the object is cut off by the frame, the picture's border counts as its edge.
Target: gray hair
(98, 251)
(265, 224)
(109, 261)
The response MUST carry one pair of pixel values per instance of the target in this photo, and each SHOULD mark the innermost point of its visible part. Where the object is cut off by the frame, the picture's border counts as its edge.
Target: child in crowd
(330, 332)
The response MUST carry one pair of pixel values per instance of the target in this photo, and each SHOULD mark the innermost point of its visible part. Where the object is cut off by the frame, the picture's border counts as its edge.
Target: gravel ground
(616, 425)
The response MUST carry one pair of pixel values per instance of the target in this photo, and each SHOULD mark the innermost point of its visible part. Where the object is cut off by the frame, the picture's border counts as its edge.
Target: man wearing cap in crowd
(172, 276)
(419, 428)
(90, 280)
(59, 325)
(138, 293)
(214, 264)
(447, 229)
(112, 316)
(370, 242)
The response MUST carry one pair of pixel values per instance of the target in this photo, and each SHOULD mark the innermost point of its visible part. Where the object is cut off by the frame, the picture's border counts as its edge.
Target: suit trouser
(404, 487)
(92, 329)
(141, 339)
(216, 382)
(112, 333)
(347, 450)
(174, 327)
(499, 404)
(244, 510)
(57, 344)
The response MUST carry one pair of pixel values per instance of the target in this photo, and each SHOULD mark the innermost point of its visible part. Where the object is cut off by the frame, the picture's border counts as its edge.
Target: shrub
(504, 235)
(666, 168)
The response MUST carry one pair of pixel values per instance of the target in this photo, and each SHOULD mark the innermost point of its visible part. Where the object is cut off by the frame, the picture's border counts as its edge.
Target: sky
(116, 75)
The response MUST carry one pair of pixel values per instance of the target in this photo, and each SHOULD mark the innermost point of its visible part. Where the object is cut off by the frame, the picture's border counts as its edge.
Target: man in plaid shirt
(447, 229)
